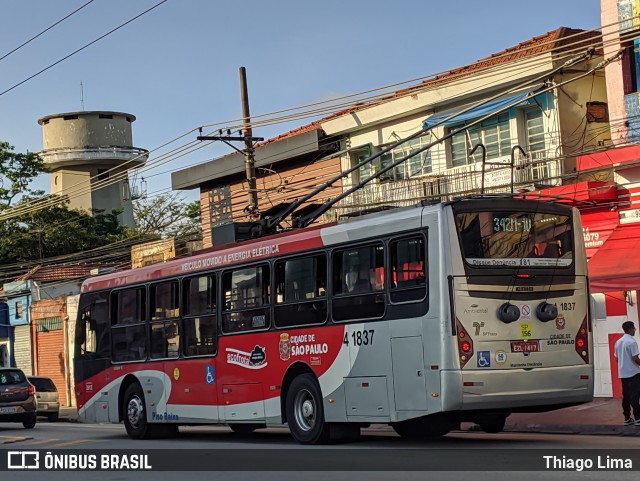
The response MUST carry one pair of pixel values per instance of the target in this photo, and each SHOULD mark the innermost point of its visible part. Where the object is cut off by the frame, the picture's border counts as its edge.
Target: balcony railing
(457, 181)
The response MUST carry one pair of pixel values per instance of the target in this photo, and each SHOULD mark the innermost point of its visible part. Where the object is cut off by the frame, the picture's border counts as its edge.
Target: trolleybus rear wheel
(492, 423)
(305, 411)
(422, 429)
(245, 429)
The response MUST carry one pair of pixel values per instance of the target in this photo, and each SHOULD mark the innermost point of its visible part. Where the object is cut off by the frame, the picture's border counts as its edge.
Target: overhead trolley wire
(413, 90)
(16, 211)
(81, 48)
(45, 30)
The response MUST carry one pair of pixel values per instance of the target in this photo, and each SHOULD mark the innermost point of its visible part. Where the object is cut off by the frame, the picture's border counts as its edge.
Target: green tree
(55, 231)
(167, 215)
(51, 229)
(16, 173)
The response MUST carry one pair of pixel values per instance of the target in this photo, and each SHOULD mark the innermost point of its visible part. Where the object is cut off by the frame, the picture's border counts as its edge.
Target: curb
(578, 429)
(584, 429)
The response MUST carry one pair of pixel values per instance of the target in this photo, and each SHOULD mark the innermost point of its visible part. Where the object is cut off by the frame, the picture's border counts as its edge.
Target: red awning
(616, 264)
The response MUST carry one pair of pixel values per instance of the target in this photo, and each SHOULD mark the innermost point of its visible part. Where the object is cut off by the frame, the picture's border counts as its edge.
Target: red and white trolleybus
(420, 317)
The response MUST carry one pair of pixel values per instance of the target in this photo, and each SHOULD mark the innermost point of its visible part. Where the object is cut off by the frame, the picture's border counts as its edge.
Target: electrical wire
(580, 33)
(45, 30)
(81, 48)
(123, 175)
(97, 185)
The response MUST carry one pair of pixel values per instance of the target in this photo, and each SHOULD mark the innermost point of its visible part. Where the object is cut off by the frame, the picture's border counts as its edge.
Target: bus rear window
(530, 239)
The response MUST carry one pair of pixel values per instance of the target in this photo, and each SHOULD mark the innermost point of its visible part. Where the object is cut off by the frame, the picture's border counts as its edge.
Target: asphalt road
(219, 447)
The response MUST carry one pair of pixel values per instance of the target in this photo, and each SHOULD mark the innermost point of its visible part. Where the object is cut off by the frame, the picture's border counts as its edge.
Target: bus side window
(129, 306)
(246, 296)
(356, 287)
(409, 269)
(300, 291)
(198, 324)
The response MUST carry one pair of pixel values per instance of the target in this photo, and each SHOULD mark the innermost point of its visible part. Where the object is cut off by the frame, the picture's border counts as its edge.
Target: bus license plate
(525, 346)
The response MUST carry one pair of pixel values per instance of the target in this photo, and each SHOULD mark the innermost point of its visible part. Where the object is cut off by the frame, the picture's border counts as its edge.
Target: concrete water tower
(87, 154)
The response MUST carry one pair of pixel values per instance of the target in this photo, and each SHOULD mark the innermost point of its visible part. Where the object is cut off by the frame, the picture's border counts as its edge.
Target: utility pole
(249, 160)
(248, 138)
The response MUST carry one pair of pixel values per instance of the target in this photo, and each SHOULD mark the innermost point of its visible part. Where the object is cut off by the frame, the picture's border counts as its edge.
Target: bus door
(201, 373)
(194, 377)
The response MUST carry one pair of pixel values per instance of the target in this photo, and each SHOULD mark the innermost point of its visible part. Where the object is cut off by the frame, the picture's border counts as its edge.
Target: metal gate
(22, 348)
(51, 359)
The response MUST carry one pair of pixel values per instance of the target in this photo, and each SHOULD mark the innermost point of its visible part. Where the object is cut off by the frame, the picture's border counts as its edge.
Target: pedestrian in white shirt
(627, 355)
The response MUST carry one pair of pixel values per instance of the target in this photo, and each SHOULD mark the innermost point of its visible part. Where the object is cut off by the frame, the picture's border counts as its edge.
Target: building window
(535, 131)
(18, 309)
(357, 156)
(631, 67)
(597, 112)
(416, 165)
(494, 133)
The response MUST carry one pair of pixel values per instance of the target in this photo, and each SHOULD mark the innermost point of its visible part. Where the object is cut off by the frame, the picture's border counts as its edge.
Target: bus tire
(244, 429)
(135, 413)
(423, 429)
(492, 423)
(305, 411)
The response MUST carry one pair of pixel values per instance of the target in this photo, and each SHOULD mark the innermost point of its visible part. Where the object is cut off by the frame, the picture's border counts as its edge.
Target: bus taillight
(465, 344)
(582, 341)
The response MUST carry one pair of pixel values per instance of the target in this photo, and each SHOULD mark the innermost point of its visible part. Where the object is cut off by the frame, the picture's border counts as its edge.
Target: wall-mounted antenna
(81, 95)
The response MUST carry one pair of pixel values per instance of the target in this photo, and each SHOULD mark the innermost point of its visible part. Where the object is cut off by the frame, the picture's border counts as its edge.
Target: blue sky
(176, 67)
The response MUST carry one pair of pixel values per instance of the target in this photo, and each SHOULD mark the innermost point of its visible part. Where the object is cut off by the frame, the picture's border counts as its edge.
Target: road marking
(42, 441)
(13, 439)
(72, 442)
(88, 426)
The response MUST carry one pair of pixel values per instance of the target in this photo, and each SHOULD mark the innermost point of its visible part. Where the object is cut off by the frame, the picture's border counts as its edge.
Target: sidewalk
(603, 416)
(68, 414)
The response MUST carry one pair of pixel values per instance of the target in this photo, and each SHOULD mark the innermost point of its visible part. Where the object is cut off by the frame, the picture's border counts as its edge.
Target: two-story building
(18, 300)
(555, 111)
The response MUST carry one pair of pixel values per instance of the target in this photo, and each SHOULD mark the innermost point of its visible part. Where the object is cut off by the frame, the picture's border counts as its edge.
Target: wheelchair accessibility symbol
(209, 378)
(484, 358)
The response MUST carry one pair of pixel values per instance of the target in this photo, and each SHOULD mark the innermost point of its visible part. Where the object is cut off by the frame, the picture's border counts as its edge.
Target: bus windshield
(513, 239)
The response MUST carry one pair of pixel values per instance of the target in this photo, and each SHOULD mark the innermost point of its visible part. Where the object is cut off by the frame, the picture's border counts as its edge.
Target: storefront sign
(629, 216)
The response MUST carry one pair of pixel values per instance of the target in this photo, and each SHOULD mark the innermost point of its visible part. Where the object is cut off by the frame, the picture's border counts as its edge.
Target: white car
(46, 397)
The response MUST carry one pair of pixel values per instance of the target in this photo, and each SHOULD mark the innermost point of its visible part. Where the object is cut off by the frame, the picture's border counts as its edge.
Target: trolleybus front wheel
(305, 411)
(135, 417)
(134, 412)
